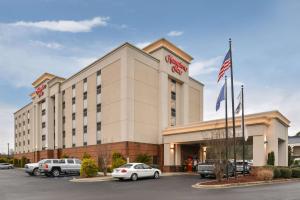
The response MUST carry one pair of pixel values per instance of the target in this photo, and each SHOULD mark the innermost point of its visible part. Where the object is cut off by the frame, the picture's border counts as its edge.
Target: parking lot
(16, 185)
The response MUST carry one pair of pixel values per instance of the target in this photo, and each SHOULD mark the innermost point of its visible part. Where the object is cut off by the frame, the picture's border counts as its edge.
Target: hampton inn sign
(177, 67)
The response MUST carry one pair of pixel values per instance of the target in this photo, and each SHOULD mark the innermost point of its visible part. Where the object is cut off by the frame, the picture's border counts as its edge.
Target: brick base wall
(127, 149)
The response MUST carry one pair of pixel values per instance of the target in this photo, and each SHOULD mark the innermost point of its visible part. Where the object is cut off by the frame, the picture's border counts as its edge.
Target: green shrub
(296, 162)
(117, 160)
(23, 161)
(86, 155)
(88, 168)
(296, 173)
(276, 172)
(271, 158)
(286, 172)
(143, 158)
(65, 156)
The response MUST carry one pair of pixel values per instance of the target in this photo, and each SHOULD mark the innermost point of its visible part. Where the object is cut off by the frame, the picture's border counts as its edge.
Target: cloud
(50, 45)
(65, 25)
(142, 44)
(175, 33)
(205, 66)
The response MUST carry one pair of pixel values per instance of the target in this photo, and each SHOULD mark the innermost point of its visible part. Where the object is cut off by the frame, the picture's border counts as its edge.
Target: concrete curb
(249, 184)
(91, 180)
(109, 178)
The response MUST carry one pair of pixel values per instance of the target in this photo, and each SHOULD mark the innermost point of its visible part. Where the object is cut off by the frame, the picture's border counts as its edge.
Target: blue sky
(62, 37)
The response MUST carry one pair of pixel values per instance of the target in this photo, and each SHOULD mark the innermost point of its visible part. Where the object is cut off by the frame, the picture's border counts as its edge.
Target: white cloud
(175, 33)
(142, 44)
(205, 66)
(50, 45)
(65, 25)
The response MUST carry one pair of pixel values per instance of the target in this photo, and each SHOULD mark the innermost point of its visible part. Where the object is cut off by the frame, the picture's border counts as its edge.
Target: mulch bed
(232, 180)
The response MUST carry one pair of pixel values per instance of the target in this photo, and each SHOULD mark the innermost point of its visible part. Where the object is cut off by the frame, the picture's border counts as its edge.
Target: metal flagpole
(232, 101)
(226, 130)
(243, 129)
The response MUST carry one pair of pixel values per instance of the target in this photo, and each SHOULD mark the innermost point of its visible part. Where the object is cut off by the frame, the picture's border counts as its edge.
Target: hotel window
(43, 124)
(99, 107)
(73, 87)
(73, 100)
(98, 126)
(73, 116)
(43, 137)
(43, 112)
(173, 112)
(28, 142)
(28, 132)
(73, 131)
(64, 119)
(98, 133)
(173, 95)
(63, 105)
(85, 95)
(63, 92)
(99, 89)
(23, 123)
(64, 134)
(99, 73)
(85, 112)
(23, 132)
(84, 135)
(28, 121)
(85, 84)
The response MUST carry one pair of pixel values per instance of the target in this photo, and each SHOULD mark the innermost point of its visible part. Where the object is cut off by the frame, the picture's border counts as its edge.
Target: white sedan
(134, 171)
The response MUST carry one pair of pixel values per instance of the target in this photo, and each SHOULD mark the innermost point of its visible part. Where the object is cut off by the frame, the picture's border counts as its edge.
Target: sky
(64, 36)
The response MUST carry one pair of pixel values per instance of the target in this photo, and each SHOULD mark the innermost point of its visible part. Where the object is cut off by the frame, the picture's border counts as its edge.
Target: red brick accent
(127, 149)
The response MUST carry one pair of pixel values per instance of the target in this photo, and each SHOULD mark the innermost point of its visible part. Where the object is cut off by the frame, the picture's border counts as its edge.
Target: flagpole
(233, 114)
(226, 130)
(243, 129)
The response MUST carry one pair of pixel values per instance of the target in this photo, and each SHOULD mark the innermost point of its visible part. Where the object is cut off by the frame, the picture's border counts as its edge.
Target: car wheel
(121, 179)
(36, 172)
(55, 172)
(156, 175)
(134, 177)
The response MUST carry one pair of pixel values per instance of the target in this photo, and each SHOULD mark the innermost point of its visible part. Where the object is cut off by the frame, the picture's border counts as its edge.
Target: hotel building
(132, 101)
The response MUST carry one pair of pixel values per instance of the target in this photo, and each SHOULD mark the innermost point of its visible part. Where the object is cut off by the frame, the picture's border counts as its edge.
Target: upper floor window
(73, 116)
(43, 112)
(73, 100)
(99, 73)
(85, 80)
(173, 112)
(99, 107)
(85, 112)
(85, 95)
(98, 126)
(98, 89)
(173, 95)
(43, 124)
(63, 104)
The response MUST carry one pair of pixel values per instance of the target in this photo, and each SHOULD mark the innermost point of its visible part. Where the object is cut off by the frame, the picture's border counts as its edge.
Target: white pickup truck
(56, 167)
(32, 169)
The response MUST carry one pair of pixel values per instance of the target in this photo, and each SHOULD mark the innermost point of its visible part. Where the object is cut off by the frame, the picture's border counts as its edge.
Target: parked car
(240, 168)
(6, 166)
(135, 171)
(32, 169)
(56, 167)
(208, 169)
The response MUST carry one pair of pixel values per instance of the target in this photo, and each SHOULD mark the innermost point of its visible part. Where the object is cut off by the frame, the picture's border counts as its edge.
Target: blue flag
(221, 97)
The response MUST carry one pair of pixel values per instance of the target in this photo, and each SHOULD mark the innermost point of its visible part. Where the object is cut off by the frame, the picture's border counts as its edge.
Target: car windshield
(126, 166)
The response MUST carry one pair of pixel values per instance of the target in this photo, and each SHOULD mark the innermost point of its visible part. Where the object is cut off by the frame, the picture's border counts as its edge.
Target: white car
(135, 171)
(6, 166)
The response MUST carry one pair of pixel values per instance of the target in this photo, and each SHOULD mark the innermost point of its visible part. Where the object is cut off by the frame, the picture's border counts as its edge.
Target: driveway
(16, 185)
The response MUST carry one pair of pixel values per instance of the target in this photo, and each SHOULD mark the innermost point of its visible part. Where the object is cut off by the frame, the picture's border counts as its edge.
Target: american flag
(226, 65)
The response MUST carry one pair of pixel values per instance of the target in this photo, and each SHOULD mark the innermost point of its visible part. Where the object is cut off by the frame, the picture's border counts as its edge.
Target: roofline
(196, 81)
(251, 119)
(109, 53)
(22, 107)
(173, 45)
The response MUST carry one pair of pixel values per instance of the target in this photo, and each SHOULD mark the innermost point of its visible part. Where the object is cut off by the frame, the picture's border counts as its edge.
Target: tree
(271, 158)
(290, 158)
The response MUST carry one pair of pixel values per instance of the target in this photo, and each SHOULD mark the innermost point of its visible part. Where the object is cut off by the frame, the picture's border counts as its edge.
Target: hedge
(117, 160)
(286, 172)
(296, 173)
(276, 172)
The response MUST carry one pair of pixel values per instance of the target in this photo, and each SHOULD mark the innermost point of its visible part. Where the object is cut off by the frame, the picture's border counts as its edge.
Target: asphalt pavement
(16, 185)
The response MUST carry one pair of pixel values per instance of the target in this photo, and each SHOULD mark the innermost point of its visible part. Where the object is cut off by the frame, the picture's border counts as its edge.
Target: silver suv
(56, 167)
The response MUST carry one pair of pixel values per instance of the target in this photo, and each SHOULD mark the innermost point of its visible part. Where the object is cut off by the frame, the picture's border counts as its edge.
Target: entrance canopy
(268, 130)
